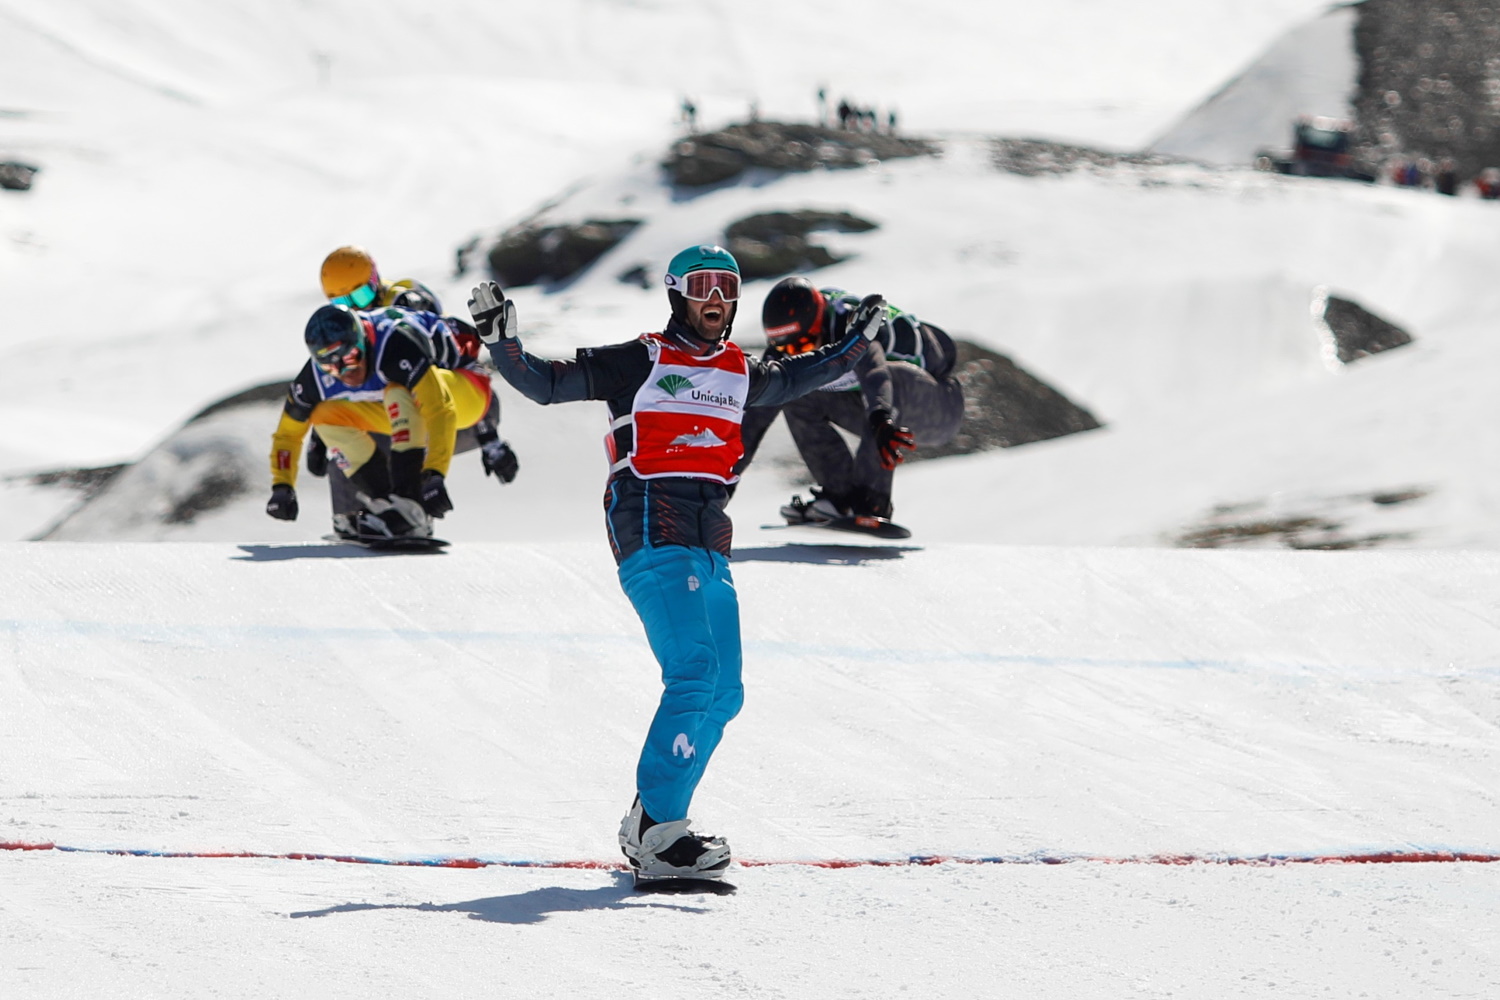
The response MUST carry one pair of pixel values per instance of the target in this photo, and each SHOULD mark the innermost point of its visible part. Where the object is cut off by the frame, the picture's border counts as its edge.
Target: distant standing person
(676, 400)
(903, 393)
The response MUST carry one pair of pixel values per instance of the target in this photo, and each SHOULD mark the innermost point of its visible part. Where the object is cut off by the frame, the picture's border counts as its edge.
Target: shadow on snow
(319, 550)
(526, 907)
(827, 555)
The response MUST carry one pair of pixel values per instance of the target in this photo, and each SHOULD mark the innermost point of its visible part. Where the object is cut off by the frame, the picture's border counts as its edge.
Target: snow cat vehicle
(1320, 148)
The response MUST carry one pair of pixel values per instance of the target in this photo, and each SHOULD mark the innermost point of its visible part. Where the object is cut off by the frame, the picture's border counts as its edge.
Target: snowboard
(679, 886)
(413, 544)
(880, 527)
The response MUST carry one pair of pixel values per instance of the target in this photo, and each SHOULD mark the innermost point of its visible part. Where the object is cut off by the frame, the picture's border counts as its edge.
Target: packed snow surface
(974, 703)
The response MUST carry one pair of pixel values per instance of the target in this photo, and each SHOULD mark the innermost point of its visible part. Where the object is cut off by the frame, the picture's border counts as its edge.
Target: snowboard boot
(384, 518)
(670, 850)
(822, 508)
(866, 502)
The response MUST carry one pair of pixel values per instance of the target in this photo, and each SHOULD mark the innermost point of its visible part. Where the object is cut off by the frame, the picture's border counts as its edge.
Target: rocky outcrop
(1357, 333)
(773, 244)
(528, 254)
(714, 157)
(1429, 81)
(1036, 157)
(16, 176)
(1006, 406)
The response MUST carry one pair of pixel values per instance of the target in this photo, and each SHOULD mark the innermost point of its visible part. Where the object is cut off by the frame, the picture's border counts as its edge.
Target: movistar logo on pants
(673, 384)
(682, 748)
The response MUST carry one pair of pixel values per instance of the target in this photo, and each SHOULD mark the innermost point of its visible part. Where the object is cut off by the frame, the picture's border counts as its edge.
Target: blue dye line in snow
(1407, 856)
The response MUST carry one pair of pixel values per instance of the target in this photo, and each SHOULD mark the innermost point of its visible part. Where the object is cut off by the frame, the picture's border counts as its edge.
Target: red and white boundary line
(915, 861)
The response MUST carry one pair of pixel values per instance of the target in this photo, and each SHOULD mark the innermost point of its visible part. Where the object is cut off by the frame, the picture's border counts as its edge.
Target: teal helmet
(718, 273)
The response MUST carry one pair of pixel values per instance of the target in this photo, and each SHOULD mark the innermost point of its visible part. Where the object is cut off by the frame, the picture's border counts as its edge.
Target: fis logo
(673, 384)
(705, 438)
(682, 748)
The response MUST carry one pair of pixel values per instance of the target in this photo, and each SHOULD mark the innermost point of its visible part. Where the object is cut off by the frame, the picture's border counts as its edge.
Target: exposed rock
(1429, 76)
(773, 244)
(16, 176)
(269, 392)
(1035, 157)
(1303, 522)
(86, 481)
(714, 157)
(1005, 406)
(1357, 332)
(529, 253)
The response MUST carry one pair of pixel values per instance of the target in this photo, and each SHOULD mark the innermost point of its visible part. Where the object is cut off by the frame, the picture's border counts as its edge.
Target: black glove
(317, 456)
(283, 503)
(499, 460)
(868, 316)
(890, 439)
(494, 314)
(434, 495)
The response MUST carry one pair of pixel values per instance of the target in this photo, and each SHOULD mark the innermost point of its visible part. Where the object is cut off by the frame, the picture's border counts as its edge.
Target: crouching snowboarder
(676, 400)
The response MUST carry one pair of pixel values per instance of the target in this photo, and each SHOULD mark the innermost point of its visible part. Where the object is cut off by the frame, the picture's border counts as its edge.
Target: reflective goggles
(339, 358)
(699, 285)
(361, 298)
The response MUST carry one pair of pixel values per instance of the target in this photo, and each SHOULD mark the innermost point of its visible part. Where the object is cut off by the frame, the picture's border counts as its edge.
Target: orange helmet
(346, 272)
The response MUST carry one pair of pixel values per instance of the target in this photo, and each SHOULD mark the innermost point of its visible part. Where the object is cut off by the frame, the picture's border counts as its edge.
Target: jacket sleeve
(286, 449)
(286, 440)
(596, 373)
(875, 380)
(441, 418)
(782, 380)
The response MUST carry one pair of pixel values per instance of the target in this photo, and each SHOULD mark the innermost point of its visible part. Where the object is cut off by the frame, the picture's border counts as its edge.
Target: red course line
(1264, 860)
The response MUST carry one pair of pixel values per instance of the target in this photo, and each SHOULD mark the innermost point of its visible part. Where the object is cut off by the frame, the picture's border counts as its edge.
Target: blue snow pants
(686, 599)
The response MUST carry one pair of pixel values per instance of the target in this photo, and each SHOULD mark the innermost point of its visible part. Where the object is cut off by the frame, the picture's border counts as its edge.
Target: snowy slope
(1175, 303)
(1030, 703)
(198, 163)
(1311, 70)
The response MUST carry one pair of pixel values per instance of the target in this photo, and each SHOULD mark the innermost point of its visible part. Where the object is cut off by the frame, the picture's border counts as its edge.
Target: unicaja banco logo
(673, 384)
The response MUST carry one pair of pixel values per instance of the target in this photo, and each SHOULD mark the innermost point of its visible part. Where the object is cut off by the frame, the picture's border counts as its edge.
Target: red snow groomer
(1320, 148)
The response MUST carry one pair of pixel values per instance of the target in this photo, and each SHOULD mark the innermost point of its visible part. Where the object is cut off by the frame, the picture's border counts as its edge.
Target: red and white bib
(685, 419)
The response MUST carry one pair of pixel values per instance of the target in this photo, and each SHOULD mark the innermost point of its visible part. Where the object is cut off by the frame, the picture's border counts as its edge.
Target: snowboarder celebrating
(891, 407)
(388, 372)
(676, 400)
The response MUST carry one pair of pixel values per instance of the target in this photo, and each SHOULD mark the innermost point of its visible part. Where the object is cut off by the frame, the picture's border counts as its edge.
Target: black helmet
(337, 338)
(793, 316)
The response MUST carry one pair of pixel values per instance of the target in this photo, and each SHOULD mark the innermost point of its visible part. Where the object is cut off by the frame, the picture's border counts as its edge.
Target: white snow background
(1034, 677)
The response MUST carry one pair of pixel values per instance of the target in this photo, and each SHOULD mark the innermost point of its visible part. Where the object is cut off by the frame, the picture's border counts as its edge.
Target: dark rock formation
(773, 244)
(1357, 332)
(529, 253)
(1429, 81)
(1035, 157)
(713, 157)
(1005, 406)
(16, 176)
